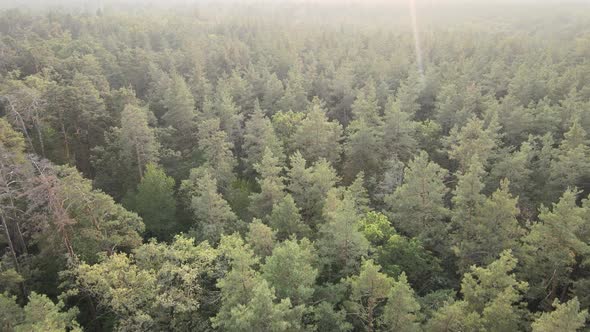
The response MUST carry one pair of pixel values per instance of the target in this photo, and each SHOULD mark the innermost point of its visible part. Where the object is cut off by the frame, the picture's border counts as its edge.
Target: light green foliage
(12, 144)
(566, 317)
(122, 287)
(212, 215)
(402, 311)
(157, 278)
(39, 315)
(376, 228)
(154, 201)
(398, 254)
(317, 137)
(290, 270)
(238, 283)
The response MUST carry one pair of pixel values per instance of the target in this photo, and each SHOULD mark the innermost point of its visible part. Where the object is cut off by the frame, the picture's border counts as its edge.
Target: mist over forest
(294, 165)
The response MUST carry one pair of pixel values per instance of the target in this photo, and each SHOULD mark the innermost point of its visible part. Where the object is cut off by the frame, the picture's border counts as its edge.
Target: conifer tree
(154, 202)
(271, 185)
(212, 215)
(566, 317)
(369, 290)
(290, 270)
(286, 219)
(317, 137)
(402, 311)
(259, 134)
(417, 206)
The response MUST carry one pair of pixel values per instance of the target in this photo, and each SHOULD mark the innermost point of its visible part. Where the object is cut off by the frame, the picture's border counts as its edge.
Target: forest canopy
(295, 166)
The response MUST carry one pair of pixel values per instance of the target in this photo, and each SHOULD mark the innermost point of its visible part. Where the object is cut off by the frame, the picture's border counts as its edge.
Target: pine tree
(286, 219)
(259, 134)
(309, 187)
(328, 319)
(316, 137)
(402, 311)
(212, 215)
(225, 109)
(484, 227)
(496, 294)
(399, 131)
(492, 300)
(295, 96)
(571, 164)
(261, 238)
(369, 290)
(290, 270)
(496, 228)
(472, 140)
(417, 206)
(553, 247)
(286, 125)
(467, 202)
(138, 140)
(217, 150)
(154, 202)
(271, 185)
(341, 244)
(261, 313)
(566, 317)
(40, 314)
(366, 107)
(363, 149)
(247, 301)
(180, 107)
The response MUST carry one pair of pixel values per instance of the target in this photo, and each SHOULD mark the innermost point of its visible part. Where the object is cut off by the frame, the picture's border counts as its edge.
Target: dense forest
(295, 167)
